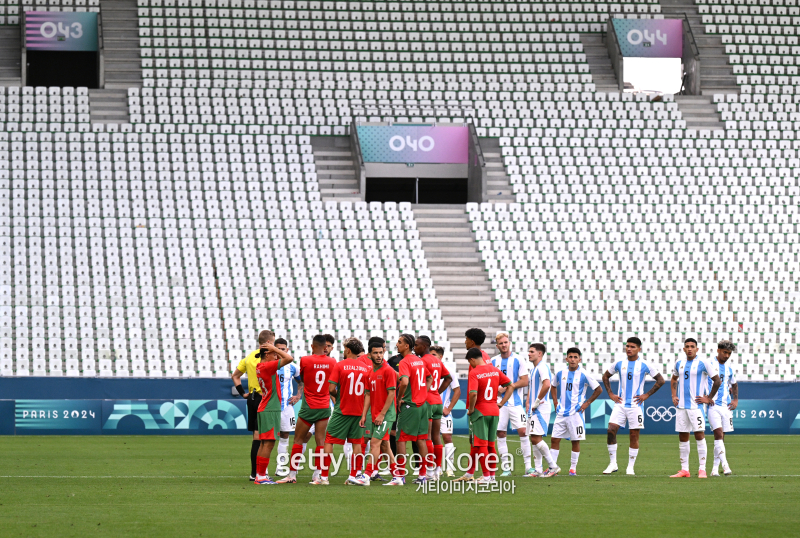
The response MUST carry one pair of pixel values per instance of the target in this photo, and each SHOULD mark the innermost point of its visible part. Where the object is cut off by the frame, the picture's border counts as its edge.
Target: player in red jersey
(347, 385)
(269, 411)
(484, 410)
(379, 409)
(412, 391)
(315, 411)
(441, 378)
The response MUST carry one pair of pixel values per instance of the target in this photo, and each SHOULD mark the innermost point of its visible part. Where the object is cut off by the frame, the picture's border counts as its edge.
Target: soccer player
(450, 396)
(369, 464)
(514, 411)
(689, 381)
(315, 369)
(269, 410)
(538, 406)
(441, 376)
(412, 391)
(571, 403)
(248, 366)
(474, 338)
(288, 399)
(347, 385)
(628, 403)
(380, 407)
(483, 409)
(719, 414)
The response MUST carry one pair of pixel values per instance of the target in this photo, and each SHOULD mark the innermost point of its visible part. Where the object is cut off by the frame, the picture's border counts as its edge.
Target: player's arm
(364, 412)
(333, 389)
(236, 377)
(597, 392)
(607, 384)
(283, 357)
(471, 400)
(659, 383)
(709, 399)
(300, 386)
(453, 400)
(387, 404)
(402, 384)
(734, 397)
(541, 395)
(673, 385)
(507, 395)
(446, 380)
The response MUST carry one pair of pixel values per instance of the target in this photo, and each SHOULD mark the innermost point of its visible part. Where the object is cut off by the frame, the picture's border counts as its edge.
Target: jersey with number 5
(485, 380)
(315, 371)
(417, 372)
(350, 377)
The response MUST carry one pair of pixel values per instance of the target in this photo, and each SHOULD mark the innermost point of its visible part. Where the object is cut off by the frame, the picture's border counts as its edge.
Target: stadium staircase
(462, 287)
(10, 66)
(123, 61)
(599, 62)
(108, 106)
(336, 171)
(498, 186)
(699, 112)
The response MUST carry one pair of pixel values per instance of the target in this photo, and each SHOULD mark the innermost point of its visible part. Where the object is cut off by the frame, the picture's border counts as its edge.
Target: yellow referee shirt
(248, 366)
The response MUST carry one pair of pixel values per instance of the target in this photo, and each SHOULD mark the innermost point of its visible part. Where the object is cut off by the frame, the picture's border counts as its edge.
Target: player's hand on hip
(733, 405)
(675, 400)
(704, 400)
(639, 399)
(536, 403)
(584, 406)
(615, 398)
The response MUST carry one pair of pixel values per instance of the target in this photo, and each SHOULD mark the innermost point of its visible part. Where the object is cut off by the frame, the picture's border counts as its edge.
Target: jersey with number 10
(438, 372)
(417, 372)
(485, 380)
(351, 377)
(315, 371)
(572, 386)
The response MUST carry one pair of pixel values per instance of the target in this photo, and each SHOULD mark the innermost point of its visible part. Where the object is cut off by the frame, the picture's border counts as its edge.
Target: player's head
(282, 344)
(725, 349)
(376, 350)
(502, 342)
(422, 345)
(474, 338)
(329, 343)
(536, 352)
(376, 341)
(353, 348)
(319, 344)
(265, 337)
(437, 351)
(690, 348)
(574, 358)
(632, 347)
(475, 357)
(405, 343)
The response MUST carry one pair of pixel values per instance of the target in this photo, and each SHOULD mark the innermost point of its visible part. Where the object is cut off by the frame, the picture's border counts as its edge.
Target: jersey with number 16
(350, 376)
(315, 371)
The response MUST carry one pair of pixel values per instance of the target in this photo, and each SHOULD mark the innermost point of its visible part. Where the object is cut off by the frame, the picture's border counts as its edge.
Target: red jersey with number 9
(438, 371)
(485, 380)
(315, 371)
(417, 372)
(351, 377)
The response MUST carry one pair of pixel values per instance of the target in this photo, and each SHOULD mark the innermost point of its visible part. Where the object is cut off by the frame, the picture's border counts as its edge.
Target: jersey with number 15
(350, 377)
(315, 371)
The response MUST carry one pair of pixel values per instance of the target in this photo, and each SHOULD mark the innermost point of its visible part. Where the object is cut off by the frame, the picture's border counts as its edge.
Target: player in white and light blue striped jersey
(538, 408)
(720, 415)
(689, 385)
(628, 403)
(516, 368)
(288, 399)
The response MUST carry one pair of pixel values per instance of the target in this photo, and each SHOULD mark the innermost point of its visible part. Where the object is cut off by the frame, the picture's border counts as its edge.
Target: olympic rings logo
(657, 414)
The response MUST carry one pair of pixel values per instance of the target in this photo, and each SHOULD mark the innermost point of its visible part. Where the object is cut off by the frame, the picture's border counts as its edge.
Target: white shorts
(632, 417)
(572, 427)
(539, 420)
(514, 414)
(690, 420)
(287, 419)
(447, 424)
(719, 416)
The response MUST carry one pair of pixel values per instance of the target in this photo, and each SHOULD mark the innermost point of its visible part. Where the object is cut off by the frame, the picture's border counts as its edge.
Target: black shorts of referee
(253, 401)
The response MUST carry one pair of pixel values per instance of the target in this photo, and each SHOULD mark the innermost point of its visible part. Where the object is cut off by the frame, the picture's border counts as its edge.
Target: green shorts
(412, 423)
(436, 411)
(368, 425)
(311, 416)
(268, 423)
(484, 428)
(343, 428)
(381, 431)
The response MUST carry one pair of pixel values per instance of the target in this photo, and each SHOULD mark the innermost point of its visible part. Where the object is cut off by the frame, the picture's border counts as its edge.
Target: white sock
(449, 456)
(719, 454)
(702, 453)
(283, 446)
(550, 455)
(573, 460)
(537, 458)
(632, 453)
(502, 450)
(612, 453)
(347, 448)
(685, 449)
(525, 444)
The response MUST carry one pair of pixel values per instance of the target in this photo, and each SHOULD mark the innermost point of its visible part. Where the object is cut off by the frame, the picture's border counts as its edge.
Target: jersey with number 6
(417, 372)
(485, 380)
(350, 377)
(315, 371)
(438, 372)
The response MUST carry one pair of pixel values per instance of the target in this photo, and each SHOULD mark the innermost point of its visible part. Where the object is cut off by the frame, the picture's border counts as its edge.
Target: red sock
(324, 465)
(296, 449)
(484, 451)
(473, 457)
(261, 465)
(437, 454)
(492, 449)
(320, 451)
(369, 469)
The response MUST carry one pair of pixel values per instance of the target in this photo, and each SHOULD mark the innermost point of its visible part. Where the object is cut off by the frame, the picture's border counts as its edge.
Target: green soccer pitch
(197, 486)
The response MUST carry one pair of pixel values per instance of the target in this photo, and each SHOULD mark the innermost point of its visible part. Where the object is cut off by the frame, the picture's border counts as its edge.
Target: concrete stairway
(123, 63)
(336, 171)
(716, 74)
(498, 187)
(10, 56)
(603, 76)
(459, 277)
(109, 106)
(699, 112)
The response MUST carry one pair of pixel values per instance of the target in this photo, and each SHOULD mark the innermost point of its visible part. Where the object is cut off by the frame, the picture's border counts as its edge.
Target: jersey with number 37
(485, 380)
(315, 371)
(350, 377)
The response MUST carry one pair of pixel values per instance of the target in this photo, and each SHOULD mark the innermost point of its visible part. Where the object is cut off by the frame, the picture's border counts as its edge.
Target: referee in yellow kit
(253, 395)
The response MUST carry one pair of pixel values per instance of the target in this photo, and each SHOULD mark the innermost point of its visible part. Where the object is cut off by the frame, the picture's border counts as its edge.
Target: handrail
(473, 133)
(615, 53)
(695, 48)
(355, 149)
(101, 71)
